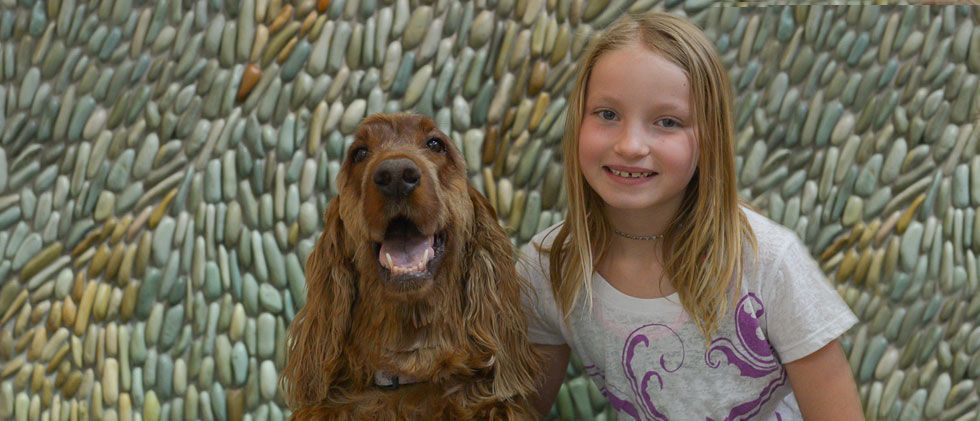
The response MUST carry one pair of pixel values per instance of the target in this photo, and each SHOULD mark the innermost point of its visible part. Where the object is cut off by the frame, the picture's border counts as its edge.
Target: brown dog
(413, 303)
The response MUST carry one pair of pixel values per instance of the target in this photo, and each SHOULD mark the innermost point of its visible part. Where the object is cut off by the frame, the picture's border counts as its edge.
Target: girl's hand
(824, 385)
(555, 358)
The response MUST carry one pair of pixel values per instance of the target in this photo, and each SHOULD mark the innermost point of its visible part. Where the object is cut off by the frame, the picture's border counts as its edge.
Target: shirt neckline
(618, 299)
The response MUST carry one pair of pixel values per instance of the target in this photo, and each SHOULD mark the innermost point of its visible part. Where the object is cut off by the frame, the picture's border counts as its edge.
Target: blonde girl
(681, 303)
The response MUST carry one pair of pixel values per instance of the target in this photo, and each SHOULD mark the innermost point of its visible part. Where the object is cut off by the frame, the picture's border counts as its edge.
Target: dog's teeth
(391, 264)
(425, 256)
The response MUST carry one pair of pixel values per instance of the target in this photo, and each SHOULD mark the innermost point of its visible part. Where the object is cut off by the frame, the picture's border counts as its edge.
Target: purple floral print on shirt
(638, 341)
(753, 355)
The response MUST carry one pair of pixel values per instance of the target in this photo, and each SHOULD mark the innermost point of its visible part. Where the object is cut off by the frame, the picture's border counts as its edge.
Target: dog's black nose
(397, 177)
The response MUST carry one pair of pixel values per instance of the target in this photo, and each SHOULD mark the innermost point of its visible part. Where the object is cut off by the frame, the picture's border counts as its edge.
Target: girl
(681, 303)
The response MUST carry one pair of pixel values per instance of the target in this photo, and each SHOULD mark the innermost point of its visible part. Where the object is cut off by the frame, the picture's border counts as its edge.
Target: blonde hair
(703, 243)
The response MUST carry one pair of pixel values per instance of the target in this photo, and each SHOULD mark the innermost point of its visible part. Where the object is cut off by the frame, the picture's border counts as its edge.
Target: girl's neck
(640, 222)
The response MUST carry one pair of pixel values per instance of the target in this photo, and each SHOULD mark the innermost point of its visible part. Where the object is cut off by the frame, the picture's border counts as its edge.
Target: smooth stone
(416, 86)
(212, 279)
(268, 379)
(119, 172)
(287, 137)
(180, 377)
(239, 364)
(219, 403)
(338, 47)
(472, 148)
(163, 240)
(165, 376)
(144, 158)
(292, 203)
(961, 186)
(250, 293)
(151, 407)
(28, 87)
(853, 211)
(294, 63)
(28, 249)
(3, 156)
(104, 206)
(266, 335)
(872, 355)
(753, 164)
(222, 357)
(418, 24)
(297, 279)
(233, 223)
(937, 396)
(274, 260)
(172, 324)
(893, 161)
(887, 363)
(246, 29)
(868, 177)
(401, 75)
(80, 116)
(352, 116)
(269, 298)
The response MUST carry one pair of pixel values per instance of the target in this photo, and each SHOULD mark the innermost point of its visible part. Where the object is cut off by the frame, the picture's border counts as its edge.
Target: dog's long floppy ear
(494, 318)
(317, 335)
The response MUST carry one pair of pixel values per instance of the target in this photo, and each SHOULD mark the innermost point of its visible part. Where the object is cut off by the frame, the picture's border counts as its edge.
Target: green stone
(80, 116)
(911, 242)
(173, 321)
(266, 335)
(872, 355)
(274, 259)
(163, 240)
(269, 298)
(296, 60)
(338, 47)
(147, 294)
(212, 280)
(403, 75)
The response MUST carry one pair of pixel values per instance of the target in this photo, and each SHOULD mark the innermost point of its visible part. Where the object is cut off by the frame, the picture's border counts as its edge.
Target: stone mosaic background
(164, 165)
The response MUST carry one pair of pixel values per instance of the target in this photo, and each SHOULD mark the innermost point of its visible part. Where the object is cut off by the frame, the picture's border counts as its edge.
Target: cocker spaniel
(413, 302)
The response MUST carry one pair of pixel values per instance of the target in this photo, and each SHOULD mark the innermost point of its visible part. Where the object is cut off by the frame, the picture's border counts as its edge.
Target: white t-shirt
(650, 360)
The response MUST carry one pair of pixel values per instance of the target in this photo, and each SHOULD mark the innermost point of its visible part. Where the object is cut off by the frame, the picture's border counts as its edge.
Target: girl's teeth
(630, 174)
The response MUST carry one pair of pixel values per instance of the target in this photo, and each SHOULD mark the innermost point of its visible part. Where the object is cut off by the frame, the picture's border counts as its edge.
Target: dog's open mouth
(406, 254)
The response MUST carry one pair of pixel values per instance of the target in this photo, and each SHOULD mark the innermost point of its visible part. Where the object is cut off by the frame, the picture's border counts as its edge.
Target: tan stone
(85, 308)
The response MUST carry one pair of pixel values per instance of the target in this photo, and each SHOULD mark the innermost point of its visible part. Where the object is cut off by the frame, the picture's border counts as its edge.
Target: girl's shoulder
(775, 242)
(534, 254)
(542, 241)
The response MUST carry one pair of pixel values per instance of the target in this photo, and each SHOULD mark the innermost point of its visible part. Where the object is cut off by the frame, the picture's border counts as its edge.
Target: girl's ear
(495, 321)
(318, 333)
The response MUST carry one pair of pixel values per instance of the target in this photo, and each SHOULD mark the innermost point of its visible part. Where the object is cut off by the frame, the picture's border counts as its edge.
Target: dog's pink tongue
(407, 251)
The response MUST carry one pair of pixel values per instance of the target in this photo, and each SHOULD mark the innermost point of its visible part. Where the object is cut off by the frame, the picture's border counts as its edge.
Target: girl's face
(638, 144)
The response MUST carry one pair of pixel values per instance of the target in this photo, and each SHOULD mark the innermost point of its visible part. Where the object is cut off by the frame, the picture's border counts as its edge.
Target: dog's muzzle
(396, 178)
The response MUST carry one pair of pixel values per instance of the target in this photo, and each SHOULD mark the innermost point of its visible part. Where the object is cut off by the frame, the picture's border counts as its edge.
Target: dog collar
(390, 381)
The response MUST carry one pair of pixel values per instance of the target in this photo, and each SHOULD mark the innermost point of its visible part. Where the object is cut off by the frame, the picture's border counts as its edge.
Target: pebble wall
(164, 166)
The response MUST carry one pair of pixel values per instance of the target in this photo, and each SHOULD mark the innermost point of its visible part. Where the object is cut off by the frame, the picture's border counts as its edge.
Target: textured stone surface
(164, 168)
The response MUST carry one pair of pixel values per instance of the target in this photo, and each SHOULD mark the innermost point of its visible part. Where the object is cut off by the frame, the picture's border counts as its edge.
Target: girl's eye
(359, 154)
(669, 123)
(435, 145)
(606, 114)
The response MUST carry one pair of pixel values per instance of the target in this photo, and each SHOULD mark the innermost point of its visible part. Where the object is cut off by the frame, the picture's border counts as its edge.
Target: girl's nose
(631, 144)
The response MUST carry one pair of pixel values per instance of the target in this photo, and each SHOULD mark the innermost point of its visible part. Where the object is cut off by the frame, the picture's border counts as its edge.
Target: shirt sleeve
(804, 312)
(544, 321)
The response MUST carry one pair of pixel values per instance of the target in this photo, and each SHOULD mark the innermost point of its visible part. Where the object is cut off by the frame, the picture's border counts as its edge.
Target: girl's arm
(824, 386)
(555, 358)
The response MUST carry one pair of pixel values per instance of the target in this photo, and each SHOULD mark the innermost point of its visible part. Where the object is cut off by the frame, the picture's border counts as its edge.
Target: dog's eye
(435, 145)
(359, 154)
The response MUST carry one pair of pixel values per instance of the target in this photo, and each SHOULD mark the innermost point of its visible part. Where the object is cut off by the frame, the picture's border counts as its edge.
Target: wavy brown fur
(473, 358)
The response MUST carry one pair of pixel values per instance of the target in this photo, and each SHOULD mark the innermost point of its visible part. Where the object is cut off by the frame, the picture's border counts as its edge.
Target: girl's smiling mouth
(629, 175)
